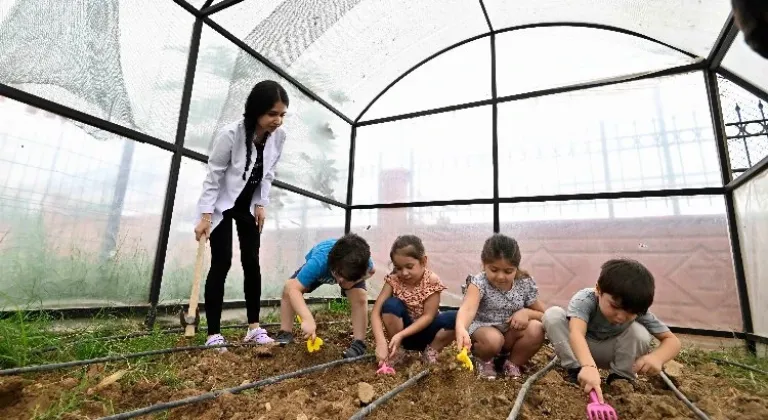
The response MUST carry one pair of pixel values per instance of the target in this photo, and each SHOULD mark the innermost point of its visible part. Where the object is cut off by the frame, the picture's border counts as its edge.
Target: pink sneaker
(430, 355)
(258, 336)
(215, 340)
(486, 370)
(511, 370)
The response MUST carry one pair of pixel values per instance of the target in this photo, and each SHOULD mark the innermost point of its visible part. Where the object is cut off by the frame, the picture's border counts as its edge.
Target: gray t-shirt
(583, 305)
(497, 306)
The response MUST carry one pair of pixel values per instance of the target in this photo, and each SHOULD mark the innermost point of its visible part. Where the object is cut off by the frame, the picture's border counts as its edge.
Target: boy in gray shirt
(610, 327)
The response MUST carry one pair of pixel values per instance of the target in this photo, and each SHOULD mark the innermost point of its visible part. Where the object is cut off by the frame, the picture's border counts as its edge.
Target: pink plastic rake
(385, 369)
(599, 411)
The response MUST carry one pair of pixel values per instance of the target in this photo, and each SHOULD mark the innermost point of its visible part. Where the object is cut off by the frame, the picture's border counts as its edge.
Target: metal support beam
(75, 115)
(687, 68)
(750, 173)
(681, 192)
(743, 83)
(713, 94)
(723, 43)
(173, 177)
(350, 179)
(209, 10)
(272, 66)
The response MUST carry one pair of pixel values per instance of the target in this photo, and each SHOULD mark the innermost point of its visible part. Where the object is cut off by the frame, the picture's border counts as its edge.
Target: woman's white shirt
(226, 163)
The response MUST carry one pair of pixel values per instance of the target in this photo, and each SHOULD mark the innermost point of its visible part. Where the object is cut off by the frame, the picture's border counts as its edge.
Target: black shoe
(357, 348)
(284, 337)
(615, 377)
(572, 375)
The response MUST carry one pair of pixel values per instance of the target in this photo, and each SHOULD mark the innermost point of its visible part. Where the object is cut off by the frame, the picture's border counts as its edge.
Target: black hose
(117, 357)
(526, 386)
(386, 397)
(747, 367)
(215, 394)
(700, 414)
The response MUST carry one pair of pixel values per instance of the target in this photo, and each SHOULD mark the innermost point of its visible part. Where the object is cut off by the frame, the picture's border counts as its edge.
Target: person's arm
(466, 314)
(218, 162)
(431, 307)
(262, 199)
(377, 325)
(536, 310)
(669, 347)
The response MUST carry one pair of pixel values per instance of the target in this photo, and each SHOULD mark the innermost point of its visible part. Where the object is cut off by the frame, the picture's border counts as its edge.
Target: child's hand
(589, 378)
(394, 344)
(463, 340)
(382, 352)
(309, 328)
(519, 320)
(647, 365)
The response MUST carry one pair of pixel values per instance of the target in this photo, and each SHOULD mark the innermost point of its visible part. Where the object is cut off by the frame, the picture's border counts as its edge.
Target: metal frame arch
(598, 26)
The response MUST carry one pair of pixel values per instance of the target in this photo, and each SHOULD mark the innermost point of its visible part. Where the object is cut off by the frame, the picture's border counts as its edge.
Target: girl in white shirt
(241, 168)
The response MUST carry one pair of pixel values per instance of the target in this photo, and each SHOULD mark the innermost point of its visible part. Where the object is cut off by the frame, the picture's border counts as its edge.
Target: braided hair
(262, 98)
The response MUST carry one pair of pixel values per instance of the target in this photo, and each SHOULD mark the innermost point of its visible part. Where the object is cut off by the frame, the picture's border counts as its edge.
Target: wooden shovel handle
(194, 298)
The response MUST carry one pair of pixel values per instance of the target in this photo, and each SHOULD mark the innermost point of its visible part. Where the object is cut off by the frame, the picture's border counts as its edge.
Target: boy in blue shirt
(610, 327)
(346, 262)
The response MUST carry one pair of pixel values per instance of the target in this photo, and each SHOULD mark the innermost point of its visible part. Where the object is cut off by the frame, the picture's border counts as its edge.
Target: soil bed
(448, 392)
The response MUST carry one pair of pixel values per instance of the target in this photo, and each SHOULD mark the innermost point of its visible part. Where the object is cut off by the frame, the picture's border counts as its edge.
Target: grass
(747, 380)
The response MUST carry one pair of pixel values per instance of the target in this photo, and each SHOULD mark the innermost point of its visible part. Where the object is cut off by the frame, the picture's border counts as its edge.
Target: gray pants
(616, 353)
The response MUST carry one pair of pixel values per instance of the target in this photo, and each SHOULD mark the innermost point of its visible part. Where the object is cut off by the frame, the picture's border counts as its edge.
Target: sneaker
(486, 370)
(284, 337)
(511, 370)
(430, 355)
(215, 340)
(258, 336)
(357, 348)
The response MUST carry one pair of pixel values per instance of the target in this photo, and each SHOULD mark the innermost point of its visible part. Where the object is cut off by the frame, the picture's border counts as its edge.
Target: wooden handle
(194, 297)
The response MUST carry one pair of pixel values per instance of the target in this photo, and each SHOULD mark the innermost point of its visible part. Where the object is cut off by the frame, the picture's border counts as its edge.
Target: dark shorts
(420, 340)
(311, 288)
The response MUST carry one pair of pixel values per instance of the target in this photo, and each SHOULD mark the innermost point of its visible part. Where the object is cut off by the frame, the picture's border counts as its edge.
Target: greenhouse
(586, 130)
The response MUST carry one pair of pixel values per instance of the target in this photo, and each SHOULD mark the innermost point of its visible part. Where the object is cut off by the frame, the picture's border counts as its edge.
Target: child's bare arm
(589, 376)
(377, 325)
(296, 296)
(468, 308)
(651, 363)
(536, 310)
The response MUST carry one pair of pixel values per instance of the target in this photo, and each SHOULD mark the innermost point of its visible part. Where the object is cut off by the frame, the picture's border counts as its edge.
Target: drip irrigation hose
(386, 397)
(526, 386)
(747, 367)
(215, 394)
(700, 414)
(117, 357)
(165, 331)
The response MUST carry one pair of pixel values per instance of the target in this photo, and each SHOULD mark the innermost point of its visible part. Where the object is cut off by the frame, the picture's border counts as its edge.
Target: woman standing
(241, 168)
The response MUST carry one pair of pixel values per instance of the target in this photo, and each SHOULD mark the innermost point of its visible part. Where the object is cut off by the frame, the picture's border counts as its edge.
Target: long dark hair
(262, 98)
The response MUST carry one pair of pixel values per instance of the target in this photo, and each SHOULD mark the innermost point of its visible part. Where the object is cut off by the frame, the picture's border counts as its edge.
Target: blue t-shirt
(315, 270)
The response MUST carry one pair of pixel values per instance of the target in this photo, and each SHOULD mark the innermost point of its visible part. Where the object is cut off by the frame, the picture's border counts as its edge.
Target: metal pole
(713, 94)
(173, 177)
(350, 179)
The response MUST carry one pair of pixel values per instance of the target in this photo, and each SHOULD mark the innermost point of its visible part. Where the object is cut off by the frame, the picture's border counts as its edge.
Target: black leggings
(221, 260)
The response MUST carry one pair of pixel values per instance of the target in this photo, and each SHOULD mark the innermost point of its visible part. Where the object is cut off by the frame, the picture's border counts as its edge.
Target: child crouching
(501, 311)
(408, 306)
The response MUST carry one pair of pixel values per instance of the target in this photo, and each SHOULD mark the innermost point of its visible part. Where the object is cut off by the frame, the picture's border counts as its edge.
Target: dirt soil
(447, 392)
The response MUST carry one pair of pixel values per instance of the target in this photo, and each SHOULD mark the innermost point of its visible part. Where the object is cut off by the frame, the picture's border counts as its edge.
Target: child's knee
(490, 339)
(535, 330)
(553, 316)
(446, 320)
(394, 306)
